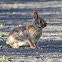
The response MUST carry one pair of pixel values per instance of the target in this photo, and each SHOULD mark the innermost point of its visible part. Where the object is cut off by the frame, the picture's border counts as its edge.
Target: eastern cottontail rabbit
(23, 35)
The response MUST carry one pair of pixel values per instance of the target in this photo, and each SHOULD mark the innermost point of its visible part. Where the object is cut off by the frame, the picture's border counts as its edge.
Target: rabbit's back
(18, 30)
(18, 34)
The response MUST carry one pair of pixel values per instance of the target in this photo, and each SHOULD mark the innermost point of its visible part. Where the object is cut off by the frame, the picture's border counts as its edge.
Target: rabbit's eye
(40, 21)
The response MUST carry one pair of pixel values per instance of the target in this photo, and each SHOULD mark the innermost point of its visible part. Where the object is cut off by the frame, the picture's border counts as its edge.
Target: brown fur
(31, 32)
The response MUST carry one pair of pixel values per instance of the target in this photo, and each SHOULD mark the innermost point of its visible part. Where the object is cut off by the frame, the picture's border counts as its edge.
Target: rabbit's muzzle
(44, 24)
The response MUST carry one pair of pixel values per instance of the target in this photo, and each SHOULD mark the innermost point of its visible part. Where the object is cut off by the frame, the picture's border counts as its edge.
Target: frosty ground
(17, 13)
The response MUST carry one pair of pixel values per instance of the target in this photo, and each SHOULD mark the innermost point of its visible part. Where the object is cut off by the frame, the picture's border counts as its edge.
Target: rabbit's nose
(45, 24)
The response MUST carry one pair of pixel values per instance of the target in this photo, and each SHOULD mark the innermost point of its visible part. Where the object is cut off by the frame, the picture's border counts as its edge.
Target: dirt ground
(16, 13)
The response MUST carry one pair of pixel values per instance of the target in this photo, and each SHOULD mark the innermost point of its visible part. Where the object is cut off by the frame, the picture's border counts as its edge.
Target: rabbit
(24, 35)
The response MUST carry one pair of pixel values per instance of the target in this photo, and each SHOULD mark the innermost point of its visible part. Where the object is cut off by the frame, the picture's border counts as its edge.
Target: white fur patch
(23, 43)
(15, 45)
(10, 40)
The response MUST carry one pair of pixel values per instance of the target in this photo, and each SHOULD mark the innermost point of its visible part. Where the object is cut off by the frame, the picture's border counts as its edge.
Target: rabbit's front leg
(31, 44)
(36, 44)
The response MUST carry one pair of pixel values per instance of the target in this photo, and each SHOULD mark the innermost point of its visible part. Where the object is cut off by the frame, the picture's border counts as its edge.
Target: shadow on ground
(44, 47)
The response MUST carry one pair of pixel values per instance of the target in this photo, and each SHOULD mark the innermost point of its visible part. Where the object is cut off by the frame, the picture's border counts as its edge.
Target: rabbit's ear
(35, 15)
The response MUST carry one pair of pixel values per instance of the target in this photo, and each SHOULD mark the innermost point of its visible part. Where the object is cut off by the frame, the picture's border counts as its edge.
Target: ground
(16, 13)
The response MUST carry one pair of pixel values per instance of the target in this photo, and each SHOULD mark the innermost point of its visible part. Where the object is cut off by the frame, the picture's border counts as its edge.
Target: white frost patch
(30, 13)
(33, 5)
(53, 33)
(53, 28)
